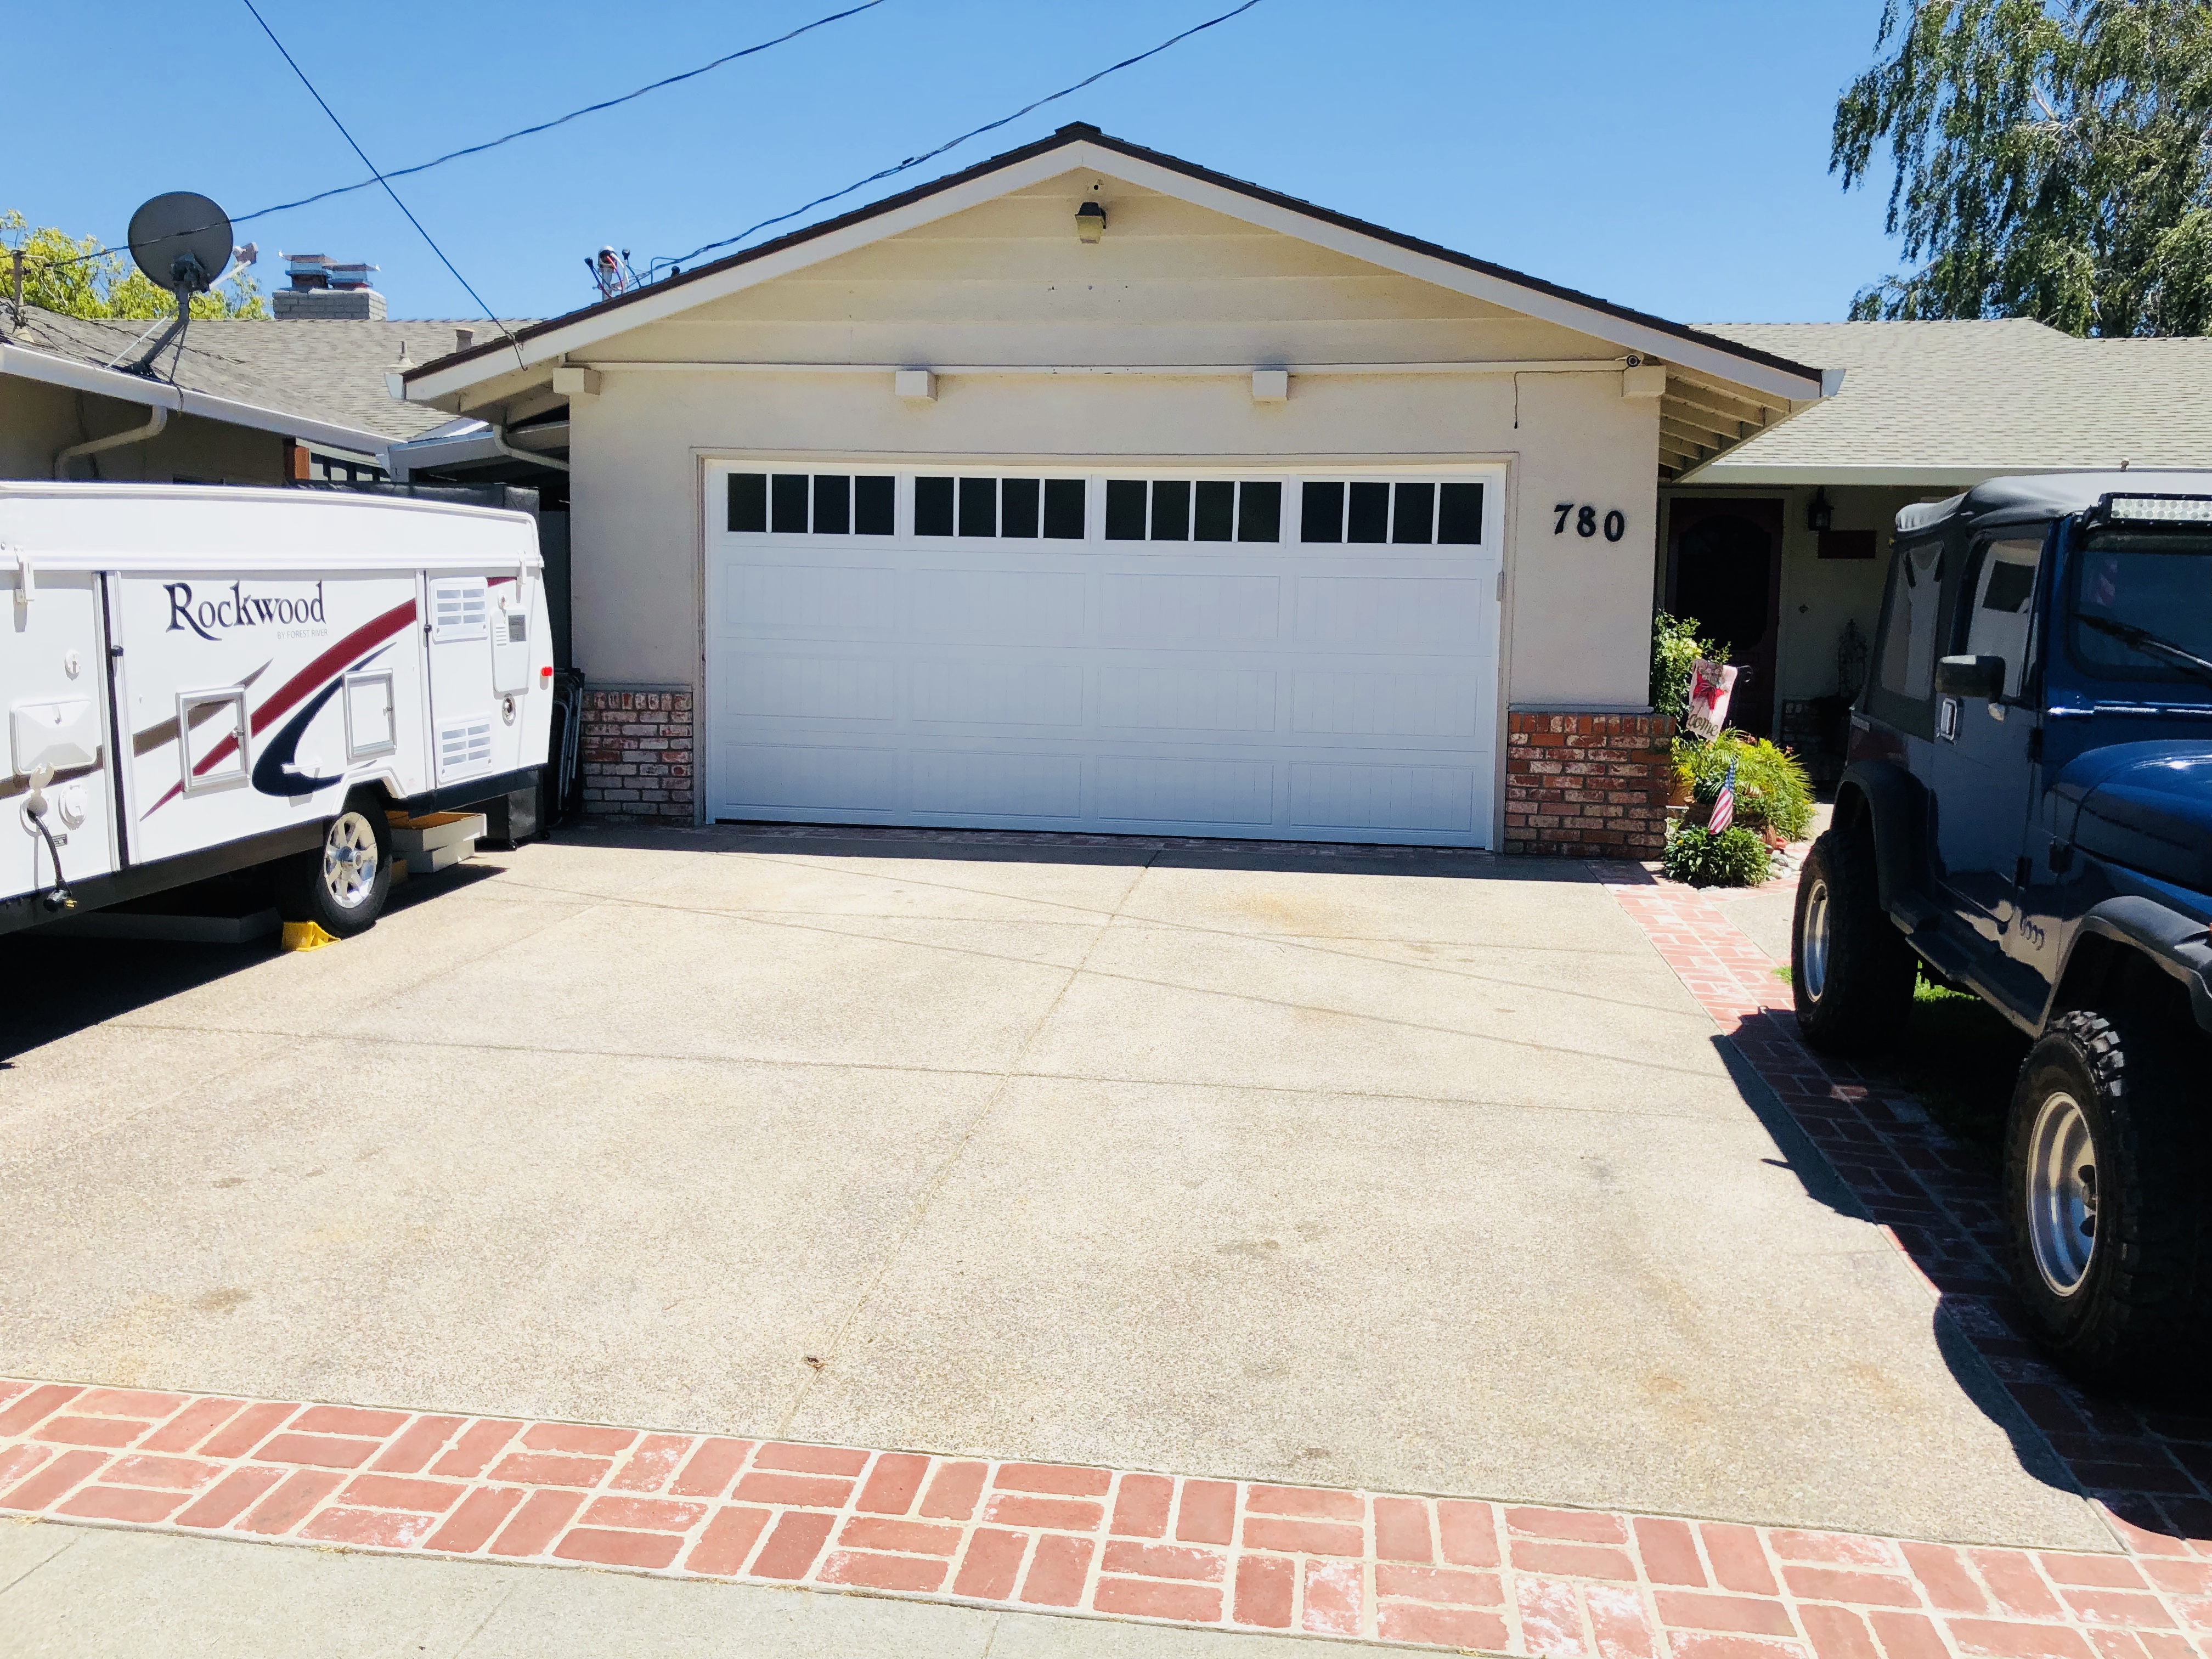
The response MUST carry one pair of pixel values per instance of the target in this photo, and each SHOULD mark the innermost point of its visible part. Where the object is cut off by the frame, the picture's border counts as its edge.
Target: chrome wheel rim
(2061, 1194)
(1813, 945)
(349, 861)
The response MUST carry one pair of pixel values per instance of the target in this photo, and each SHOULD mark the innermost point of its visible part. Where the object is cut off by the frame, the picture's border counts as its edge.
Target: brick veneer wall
(1587, 786)
(637, 752)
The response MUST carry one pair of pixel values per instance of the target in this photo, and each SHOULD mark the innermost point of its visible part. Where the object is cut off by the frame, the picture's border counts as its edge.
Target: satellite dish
(181, 240)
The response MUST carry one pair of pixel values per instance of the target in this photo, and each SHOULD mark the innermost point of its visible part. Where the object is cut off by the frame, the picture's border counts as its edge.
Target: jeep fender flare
(2174, 943)
(1893, 803)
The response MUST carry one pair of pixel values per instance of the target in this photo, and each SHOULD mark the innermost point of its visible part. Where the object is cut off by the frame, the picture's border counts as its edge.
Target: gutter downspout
(156, 418)
(499, 442)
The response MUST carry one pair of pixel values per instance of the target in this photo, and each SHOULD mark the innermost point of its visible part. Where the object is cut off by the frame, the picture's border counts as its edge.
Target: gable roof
(1953, 403)
(1080, 145)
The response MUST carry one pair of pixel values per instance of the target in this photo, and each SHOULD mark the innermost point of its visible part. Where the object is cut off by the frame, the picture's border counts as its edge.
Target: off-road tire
(1854, 997)
(314, 885)
(2138, 1309)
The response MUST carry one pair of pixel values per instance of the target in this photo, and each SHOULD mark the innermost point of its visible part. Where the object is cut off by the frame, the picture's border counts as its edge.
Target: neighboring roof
(548, 340)
(2048, 495)
(1952, 402)
(319, 379)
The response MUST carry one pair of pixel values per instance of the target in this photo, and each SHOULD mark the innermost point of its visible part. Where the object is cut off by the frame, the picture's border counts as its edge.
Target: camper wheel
(341, 885)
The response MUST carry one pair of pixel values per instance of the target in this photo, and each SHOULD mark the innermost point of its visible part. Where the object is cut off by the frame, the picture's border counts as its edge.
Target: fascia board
(1720, 471)
(30, 365)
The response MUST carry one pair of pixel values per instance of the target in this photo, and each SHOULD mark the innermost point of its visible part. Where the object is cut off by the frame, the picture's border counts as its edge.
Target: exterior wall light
(1089, 222)
(1818, 515)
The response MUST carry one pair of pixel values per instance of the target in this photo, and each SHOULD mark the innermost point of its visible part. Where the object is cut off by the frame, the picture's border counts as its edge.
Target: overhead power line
(953, 144)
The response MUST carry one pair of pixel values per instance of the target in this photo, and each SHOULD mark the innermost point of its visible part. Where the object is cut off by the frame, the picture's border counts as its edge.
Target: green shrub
(1772, 789)
(1675, 647)
(1735, 858)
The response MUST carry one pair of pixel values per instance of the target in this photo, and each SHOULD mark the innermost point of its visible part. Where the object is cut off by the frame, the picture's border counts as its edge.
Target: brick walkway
(1450, 1571)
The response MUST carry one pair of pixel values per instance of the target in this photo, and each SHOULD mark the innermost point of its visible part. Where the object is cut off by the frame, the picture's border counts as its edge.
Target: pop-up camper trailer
(200, 680)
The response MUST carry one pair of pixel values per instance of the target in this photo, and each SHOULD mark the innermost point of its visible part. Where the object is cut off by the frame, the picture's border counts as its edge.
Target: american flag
(1723, 805)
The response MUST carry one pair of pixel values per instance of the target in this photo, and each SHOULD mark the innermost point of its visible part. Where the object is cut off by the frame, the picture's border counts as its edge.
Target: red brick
(1455, 1587)
(141, 1403)
(807, 1490)
(31, 1408)
(791, 1549)
(647, 1468)
(1752, 1615)
(1837, 1632)
(2118, 1644)
(1669, 1550)
(1551, 1617)
(536, 1523)
(229, 1497)
(471, 1453)
(644, 1514)
(318, 1451)
(1053, 1478)
(2093, 1606)
(477, 1519)
(1141, 1507)
(811, 1460)
(891, 1572)
(1334, 1598)
(868, 1532)
(618, 1549)
(2012, 1578)
(2181, 1577)
(546, 1469)
(582, 1438)
(1569, 1526)
(1265, 1589)
(291, 1502)
(390, 1492)
(1063, 1513)
(1468, 1532)
(2003, 1640)
(728, 1539)
(1309, 1503)
(18, 1461)
(421, 1441)
(993, 1562)
(1573, 1560)
(1307, 1537)
(121, 1504)
(1862, 1589)
(55, 1478)
(110, 1431)
(247, 1430)
(348, 1420)
(1207, 1514)
(1163, 1561)
(175, 1474)
(1057, 1569)
(893, 1483)
(1618, 1621)
(1150, 1598)
(1842, 1549)
(189, 1426)
(711, 1469)
(1699, 1644)
(1739, 1562)
(2163, 1644)
(390, 1529)
(1401, 1530)
(953, 1490)
(2105, 1571)
(1443, 1627)
(1944, 1578)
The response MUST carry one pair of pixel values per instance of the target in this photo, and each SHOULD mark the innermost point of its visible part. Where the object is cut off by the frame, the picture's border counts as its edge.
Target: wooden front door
(1724, 568)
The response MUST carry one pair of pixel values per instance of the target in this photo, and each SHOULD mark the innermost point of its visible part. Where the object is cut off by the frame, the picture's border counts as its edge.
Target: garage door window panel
(1181, 510)
(819, 504)
(1408, 513)
(1020, 509)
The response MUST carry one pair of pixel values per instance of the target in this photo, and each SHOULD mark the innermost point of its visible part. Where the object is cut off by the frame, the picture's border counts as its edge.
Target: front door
(1724, 569)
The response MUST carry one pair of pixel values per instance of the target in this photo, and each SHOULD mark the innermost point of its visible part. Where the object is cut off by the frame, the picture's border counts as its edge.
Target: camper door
(464, 710)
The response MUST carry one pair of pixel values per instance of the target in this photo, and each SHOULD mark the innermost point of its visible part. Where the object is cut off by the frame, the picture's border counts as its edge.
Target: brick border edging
(1587, 786)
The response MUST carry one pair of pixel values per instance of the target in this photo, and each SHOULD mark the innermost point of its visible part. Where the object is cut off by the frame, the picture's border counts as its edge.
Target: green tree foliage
(58, 275)
(2053, 158)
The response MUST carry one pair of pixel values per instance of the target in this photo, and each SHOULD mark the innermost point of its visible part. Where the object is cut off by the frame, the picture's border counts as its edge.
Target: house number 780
(1586, 521)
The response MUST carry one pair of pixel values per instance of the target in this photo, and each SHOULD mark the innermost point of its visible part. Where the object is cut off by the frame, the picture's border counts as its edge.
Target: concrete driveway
(1406, 1171)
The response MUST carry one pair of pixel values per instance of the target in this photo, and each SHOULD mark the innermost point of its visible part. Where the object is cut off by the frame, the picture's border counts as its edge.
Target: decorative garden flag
(1711, 685)
(1723, 805)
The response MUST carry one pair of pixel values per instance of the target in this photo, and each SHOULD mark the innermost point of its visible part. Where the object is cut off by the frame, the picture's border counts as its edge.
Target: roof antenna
(182, 241)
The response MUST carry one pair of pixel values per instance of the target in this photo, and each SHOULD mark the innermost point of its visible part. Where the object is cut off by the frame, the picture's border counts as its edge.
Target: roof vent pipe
(463, 339)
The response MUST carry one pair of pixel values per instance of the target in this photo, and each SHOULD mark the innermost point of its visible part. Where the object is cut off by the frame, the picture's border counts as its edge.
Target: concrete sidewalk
(88, 1593)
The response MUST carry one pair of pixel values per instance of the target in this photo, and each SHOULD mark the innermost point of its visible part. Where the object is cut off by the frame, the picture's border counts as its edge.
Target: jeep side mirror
(1972, 678)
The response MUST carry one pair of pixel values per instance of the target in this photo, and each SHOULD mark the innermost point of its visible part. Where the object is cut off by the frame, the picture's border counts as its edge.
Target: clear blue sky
(1673, 158)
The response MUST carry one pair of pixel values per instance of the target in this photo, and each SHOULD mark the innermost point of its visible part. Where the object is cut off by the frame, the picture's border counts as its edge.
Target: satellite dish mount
(182, 241)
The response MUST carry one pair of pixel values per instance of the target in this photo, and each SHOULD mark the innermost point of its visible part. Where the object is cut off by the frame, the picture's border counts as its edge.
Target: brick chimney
(321, 288)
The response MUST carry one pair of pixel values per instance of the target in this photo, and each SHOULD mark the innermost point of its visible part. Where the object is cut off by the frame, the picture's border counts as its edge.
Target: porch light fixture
(1089, 223)
(1818, 515)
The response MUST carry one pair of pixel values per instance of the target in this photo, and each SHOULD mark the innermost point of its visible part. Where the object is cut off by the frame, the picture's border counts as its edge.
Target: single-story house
(1091, 489)
(1778, 539)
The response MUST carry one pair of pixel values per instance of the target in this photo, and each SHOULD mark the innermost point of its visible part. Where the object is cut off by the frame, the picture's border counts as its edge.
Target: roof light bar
(2160, 509)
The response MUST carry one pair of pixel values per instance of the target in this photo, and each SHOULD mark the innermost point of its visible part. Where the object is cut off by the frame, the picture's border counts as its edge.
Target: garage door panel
(781, 685)
(1138, 609)
(982, 691)
(968, 783)
(996, 607)
(829, 601)
(1382, 613)
(1434, 798)
(1177, 699)
(1343, 702)
(1177, 790)
(815, 776)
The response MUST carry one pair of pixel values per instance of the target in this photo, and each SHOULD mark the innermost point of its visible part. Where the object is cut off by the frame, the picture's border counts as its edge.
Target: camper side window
(213, 739)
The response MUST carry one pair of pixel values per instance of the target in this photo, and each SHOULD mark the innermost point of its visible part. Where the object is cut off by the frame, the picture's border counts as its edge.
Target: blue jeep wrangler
(2027, 813)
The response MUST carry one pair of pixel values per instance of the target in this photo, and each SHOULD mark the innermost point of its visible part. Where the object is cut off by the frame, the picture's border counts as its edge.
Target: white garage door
(1302, 657)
